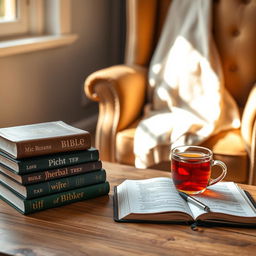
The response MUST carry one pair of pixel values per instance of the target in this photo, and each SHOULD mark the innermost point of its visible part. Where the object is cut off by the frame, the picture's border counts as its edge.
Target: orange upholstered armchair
(121, 90)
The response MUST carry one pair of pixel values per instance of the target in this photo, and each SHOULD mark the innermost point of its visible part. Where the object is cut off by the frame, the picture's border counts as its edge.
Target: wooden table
(87, 228)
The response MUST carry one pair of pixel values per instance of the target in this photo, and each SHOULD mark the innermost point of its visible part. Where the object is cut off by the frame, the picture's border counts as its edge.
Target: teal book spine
(68, 183)
(28, 165)
(64, 198)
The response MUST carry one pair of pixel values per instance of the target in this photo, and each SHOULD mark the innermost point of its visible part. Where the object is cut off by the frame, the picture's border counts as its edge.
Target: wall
(48, 85)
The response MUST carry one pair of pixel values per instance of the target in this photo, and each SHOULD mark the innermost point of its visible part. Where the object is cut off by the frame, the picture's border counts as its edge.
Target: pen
(194, 201)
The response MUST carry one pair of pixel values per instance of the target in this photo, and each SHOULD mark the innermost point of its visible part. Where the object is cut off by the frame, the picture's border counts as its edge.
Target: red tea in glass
(191, 169)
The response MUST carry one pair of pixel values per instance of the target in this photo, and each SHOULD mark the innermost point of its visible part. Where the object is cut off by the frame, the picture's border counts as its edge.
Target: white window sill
(30, 44)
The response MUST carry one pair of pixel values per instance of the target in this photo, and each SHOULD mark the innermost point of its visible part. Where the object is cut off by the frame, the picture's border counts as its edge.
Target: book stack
(48, 165)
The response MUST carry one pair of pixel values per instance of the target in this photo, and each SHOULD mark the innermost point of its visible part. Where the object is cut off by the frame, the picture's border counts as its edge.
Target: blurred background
(47, 84)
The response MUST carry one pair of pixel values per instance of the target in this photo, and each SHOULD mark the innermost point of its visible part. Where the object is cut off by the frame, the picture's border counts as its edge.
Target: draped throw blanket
(188, 101)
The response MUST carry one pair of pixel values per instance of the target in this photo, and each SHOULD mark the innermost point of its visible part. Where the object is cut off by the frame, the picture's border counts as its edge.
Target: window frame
(41, 33)
(19, 25)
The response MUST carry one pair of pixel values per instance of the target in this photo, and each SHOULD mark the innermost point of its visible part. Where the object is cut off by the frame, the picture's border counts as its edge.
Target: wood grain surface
(87, 228)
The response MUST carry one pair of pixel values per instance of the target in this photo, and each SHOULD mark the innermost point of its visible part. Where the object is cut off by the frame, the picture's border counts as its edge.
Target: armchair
(121, 90)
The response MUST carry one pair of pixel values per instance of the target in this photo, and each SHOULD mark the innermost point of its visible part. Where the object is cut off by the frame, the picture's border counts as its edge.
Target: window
(13, 17)
(30, 25)
(8, 10)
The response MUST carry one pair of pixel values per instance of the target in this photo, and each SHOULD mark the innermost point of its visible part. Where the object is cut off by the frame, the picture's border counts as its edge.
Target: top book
(42, 139)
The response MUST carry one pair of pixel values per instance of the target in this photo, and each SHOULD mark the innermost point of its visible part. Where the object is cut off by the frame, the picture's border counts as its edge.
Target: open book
(158, 200)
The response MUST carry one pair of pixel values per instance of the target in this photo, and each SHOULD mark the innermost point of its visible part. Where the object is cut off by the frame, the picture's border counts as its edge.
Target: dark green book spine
(64, 198)
(59, 185)
(28, 165)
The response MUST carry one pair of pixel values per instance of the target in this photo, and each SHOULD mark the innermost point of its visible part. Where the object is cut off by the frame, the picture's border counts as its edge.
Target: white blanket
(188, 101)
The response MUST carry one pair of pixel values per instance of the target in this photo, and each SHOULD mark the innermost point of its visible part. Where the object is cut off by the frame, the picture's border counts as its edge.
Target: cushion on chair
(226, 142)
(227, 147)
(124, 145)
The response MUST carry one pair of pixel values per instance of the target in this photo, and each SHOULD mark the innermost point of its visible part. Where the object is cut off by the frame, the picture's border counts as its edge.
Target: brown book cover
(42, 139)
(51, 174)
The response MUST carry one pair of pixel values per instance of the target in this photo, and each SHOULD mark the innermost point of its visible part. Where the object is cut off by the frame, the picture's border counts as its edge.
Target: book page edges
(222, 217)
(175, 217)
(7, 146)
(164, 216)
(228, 218)
(26, 132)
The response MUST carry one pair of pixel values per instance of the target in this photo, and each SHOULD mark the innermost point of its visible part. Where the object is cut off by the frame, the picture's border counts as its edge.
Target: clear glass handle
(222, 175)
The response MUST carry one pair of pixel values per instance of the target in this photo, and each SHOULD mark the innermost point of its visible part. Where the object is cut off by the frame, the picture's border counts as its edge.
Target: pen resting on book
(194, 201)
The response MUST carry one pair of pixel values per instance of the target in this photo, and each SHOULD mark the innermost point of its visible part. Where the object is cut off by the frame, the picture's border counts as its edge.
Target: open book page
(225, 198)
(156, 195)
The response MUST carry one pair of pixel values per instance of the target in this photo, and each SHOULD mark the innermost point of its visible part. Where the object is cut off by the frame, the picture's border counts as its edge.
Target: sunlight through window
(8, 10)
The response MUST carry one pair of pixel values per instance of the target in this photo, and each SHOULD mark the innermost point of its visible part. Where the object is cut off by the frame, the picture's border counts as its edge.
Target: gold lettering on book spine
(56, 161)
(37, 205)
(34, 177)
(29, 149)
(71, 196)
(75, 170)
(37, 191)
(57, 173)
(59, 185)
(43, 148)
(36, 148)
(71, 143)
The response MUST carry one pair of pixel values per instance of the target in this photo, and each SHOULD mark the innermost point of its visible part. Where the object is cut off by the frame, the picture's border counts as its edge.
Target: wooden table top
(87, 228)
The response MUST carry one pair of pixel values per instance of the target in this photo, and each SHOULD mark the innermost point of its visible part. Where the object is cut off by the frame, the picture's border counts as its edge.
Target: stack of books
(48, 165)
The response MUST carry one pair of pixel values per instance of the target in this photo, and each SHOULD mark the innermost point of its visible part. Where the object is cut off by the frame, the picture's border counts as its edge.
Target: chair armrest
(249, 117)
(248, 130)
(120, 91)
(252, 171)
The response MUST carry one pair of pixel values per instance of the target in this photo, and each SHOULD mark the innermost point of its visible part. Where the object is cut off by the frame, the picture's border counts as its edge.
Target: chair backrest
(234, 31)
